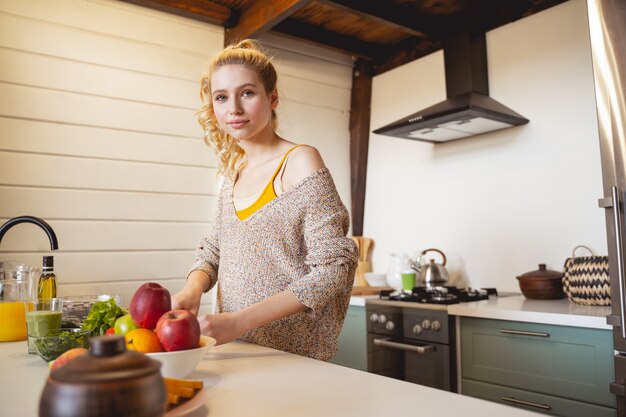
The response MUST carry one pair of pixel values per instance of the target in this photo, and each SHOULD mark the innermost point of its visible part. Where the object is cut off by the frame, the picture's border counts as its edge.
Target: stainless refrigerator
(607, 28)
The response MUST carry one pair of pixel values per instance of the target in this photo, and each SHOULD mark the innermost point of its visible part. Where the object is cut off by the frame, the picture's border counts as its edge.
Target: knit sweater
(296, 242)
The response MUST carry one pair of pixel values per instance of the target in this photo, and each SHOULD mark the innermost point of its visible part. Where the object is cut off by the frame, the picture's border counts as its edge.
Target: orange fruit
(143, 340)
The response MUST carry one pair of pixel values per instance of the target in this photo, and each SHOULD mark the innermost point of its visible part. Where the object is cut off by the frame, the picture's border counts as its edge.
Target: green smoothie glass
(408, 280)
(42, 317)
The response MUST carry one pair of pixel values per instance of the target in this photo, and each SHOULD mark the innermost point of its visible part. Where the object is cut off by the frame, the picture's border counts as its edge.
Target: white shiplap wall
(98, 136)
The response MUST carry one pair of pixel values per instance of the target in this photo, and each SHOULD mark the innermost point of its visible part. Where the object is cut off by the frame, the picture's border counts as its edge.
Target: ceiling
(382, 33)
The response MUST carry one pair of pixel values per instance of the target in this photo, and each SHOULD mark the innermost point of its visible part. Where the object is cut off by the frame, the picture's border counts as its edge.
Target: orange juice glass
(13, 294)
(12, 321)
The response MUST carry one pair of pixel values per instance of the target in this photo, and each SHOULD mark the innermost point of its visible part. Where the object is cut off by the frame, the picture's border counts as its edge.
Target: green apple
(124, 325)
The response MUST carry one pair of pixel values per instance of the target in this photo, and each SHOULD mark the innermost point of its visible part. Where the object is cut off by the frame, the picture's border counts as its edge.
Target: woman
(278, 248)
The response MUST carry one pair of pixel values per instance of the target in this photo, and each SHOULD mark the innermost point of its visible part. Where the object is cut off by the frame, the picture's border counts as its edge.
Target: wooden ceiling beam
(480, 16)
(333, 40)
(258, 17)
(399, 17)
(407, 52)
(203, 10)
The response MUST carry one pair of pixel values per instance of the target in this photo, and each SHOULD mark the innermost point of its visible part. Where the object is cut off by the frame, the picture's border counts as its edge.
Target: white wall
(98, 136)
(314, 86)
(498, 204)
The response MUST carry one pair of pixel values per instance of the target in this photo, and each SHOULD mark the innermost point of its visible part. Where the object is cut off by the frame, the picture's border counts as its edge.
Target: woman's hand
(189, 297)
(224, 327)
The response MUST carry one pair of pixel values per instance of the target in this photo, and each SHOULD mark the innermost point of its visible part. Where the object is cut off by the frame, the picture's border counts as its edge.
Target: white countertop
(517, 308)
(249, 380)
(359, 300)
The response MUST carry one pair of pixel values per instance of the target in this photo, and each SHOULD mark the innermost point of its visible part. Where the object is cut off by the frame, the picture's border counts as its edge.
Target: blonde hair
(230, 156)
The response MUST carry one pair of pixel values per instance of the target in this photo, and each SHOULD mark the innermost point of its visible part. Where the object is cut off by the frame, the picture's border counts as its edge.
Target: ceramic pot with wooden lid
(107, 381)
(542, 284)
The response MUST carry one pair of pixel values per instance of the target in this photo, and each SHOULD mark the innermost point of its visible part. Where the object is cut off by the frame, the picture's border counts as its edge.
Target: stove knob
(436, 325)
(426, 324)
(382, 319)
(390, 325)
(374, 317)
(417, 329)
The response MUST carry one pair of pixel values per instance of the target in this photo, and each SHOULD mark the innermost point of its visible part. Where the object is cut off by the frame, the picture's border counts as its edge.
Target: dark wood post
(359, 139)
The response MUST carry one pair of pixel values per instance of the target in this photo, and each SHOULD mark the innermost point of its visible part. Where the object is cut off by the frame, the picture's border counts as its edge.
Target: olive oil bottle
(47, 287)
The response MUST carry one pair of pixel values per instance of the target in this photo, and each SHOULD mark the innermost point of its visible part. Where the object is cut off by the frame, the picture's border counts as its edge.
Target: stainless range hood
(468, 110)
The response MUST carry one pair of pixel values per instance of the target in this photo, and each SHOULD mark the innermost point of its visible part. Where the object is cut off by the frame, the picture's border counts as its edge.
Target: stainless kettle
(430, 273)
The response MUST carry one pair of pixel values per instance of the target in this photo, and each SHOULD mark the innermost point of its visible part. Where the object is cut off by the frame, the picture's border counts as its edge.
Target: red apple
(149, 302)
(178, 330)
(66, 357)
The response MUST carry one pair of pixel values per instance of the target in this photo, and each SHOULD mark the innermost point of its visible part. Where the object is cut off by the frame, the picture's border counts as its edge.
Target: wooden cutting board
(367, 290)
(364, 265)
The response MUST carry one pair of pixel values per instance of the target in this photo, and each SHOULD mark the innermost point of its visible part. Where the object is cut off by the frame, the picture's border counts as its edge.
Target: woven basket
(586, 279)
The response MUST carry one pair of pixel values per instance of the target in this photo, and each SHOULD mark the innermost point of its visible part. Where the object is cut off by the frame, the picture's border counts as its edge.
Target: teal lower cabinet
(557, 370)
(353, 340)
(536, 402)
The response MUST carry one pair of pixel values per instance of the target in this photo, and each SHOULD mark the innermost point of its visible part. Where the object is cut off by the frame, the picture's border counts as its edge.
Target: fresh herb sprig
(52, 347)
(102, 316)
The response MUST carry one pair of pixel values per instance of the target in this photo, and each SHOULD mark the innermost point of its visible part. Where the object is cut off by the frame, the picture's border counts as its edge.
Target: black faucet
(54, 245)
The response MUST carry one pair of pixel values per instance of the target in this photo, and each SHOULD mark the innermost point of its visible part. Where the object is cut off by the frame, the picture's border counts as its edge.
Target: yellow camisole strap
(268, 193)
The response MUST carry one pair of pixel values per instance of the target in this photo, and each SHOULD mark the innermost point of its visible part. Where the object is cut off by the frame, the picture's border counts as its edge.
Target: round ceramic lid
(542, 273)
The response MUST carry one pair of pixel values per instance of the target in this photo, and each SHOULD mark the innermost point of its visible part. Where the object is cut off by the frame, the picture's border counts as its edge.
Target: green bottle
(47, 287)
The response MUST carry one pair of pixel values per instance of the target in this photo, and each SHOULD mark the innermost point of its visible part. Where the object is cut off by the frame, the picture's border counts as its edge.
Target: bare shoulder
(302, 162)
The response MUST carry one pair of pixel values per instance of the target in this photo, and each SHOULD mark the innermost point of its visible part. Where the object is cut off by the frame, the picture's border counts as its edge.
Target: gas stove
(439, 295)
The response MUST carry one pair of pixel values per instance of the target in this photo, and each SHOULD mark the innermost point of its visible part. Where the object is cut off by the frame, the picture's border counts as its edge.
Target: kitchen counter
(360, 300)
(249, 380)
(405, 304)
(512, 306)
(517, 308)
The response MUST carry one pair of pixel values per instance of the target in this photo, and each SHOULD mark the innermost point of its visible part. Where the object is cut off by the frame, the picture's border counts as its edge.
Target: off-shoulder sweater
(296, 242)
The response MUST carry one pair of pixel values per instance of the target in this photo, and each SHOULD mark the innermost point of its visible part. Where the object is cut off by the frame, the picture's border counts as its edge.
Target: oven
(412, 344)
(411, 337)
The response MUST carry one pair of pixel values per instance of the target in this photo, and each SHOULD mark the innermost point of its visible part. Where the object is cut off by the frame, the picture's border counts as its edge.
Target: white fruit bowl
(181, 363)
